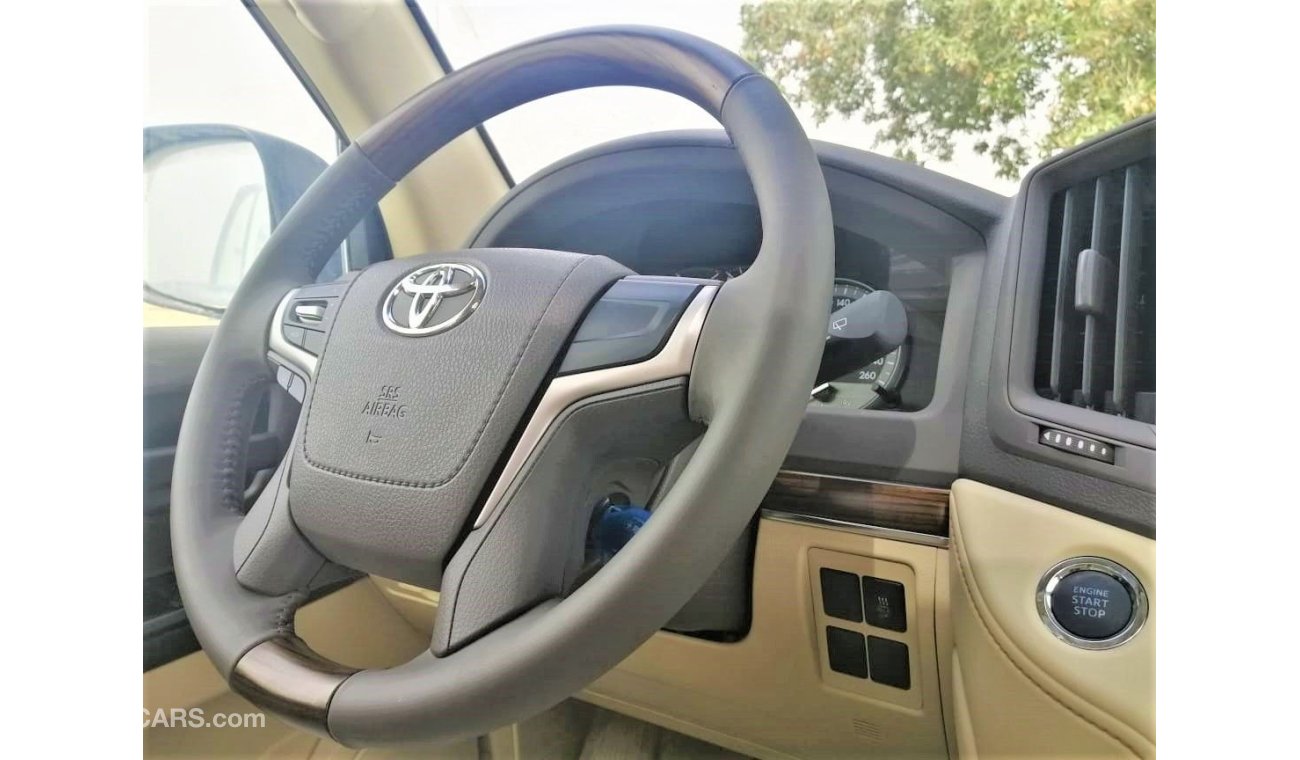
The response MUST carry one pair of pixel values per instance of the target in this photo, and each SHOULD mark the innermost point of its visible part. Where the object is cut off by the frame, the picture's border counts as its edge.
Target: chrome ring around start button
(1114, 570)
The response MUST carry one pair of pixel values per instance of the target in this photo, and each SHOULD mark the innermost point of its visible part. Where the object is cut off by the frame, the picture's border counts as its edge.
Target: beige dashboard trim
(1002, 543)
(765, 695)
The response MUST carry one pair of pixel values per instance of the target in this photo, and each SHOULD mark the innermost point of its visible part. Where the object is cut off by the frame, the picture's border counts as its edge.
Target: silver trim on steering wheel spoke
(282, 351)
(674, 360)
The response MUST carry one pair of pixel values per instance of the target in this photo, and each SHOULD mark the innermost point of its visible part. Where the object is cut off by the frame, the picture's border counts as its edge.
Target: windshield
(979, 90)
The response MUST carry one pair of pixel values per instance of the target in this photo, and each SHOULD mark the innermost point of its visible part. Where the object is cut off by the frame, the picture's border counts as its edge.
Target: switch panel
(866, 617)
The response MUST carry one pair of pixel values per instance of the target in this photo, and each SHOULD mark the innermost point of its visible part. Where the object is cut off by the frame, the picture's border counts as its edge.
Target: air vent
(1096, 337)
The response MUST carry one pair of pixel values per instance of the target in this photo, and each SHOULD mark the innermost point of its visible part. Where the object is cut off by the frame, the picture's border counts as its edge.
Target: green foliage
(1021, 78)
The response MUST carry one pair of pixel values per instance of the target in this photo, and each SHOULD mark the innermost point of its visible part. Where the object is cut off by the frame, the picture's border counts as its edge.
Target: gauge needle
(823, 392)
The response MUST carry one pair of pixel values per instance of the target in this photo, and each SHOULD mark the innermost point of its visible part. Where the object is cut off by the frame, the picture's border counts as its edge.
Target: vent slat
(1096, 339)
(1130, 269)
(1065, 341)
(1097, 329)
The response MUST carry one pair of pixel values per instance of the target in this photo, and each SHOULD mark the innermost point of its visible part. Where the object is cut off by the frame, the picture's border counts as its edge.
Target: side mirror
(212, 195)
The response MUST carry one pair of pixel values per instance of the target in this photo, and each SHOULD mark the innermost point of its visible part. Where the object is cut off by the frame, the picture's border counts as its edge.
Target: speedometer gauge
(867, 386)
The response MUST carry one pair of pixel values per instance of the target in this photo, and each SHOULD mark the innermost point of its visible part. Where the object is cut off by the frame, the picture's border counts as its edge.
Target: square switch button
(847, 651)
(889, 662)
(884, 603)
(840, 597)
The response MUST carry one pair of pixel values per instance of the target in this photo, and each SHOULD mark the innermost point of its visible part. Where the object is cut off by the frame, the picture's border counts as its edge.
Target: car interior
(694, 443)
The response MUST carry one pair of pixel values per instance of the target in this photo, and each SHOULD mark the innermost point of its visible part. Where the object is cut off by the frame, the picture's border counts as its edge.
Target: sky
(209, 62)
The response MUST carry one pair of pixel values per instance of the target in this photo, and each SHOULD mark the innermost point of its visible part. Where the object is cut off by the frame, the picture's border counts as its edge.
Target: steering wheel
(462, 410)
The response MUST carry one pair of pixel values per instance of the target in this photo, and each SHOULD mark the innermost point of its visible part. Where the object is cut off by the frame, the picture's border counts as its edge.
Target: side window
(231, 139)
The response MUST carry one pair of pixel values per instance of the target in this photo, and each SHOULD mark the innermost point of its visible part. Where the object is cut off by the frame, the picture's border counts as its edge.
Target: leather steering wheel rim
(753, 366)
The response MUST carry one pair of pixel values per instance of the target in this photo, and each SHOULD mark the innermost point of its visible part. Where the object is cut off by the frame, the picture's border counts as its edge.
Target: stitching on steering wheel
(234, 444)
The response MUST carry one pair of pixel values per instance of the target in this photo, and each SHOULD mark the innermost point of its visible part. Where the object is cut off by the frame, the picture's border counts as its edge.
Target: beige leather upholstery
(1017, 690)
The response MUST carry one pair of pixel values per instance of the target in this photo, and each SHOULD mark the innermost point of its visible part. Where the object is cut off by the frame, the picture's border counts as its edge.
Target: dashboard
(927, 413)
(680, 203)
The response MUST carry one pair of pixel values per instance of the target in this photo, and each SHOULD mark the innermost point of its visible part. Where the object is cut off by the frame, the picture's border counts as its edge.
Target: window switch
(885, 603)
(847, 652)
(889, 662)
(840, 597)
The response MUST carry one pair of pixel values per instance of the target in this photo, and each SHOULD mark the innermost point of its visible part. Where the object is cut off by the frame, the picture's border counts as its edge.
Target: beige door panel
(1017, 688)
(961, 734)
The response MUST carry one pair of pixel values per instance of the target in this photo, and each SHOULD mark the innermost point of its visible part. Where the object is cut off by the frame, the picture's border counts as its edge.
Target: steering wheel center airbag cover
(400, 433)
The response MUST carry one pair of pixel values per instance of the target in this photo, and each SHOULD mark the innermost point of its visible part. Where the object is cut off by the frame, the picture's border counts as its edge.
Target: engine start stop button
(1091, 605)
(1092, 602)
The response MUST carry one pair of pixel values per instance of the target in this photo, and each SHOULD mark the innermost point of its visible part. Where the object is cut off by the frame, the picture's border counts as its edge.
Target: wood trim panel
(887, 505)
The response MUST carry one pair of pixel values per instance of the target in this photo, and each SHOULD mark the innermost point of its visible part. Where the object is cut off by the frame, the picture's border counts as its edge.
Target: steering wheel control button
(885, 603)
(308, 312)
(295, 335)
(630, 323)
(840, 597)
(889, 661)
(297, 387)
(1092, 602)
(313, 341)
(847, 651)
(1077, 444)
